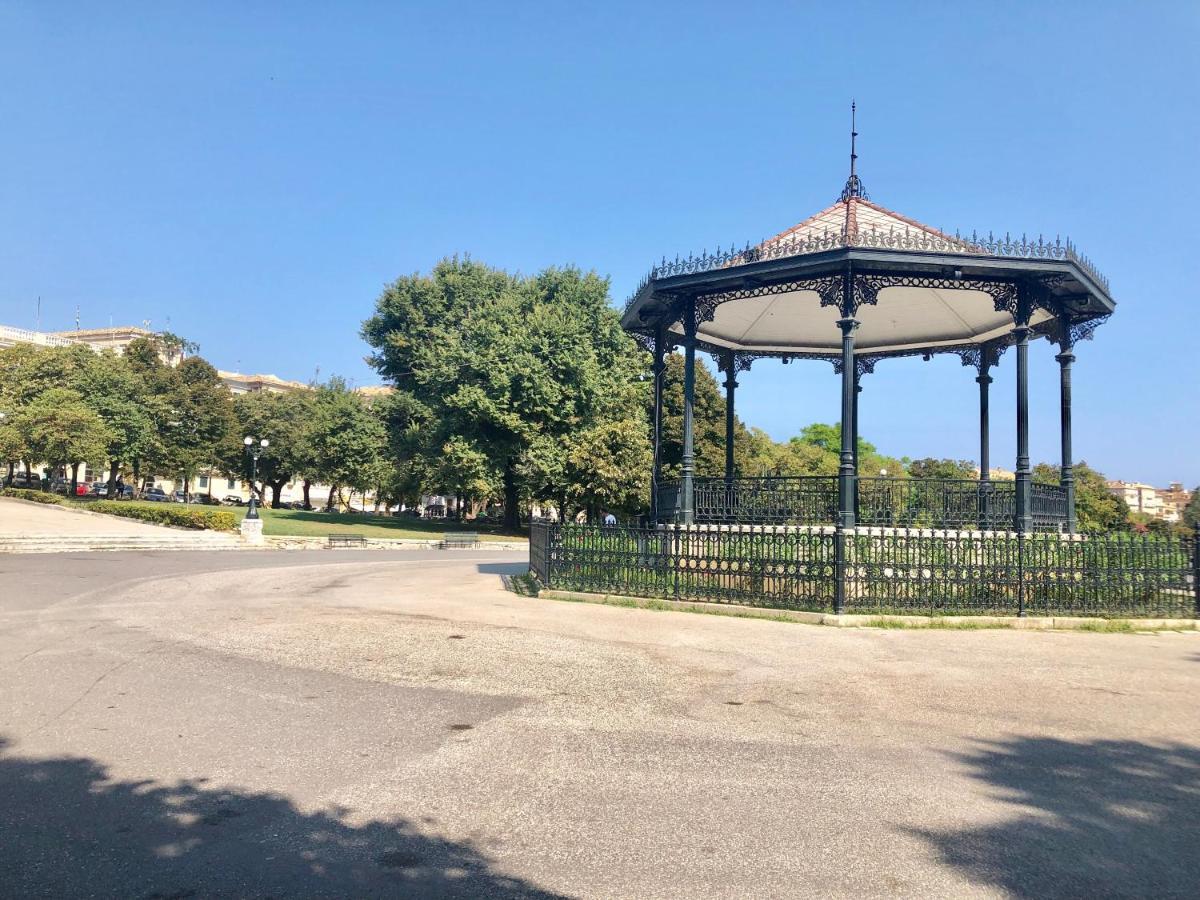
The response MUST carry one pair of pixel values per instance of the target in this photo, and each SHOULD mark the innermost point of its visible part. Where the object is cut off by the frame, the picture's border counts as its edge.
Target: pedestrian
(610, 520)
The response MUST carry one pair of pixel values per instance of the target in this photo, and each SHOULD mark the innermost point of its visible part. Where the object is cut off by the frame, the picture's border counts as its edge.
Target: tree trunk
(74, 478)
(276, 489)
(11, 468)
(307, 485)
(329, 500)
(113, 465)
(511, 500)
(187, 489)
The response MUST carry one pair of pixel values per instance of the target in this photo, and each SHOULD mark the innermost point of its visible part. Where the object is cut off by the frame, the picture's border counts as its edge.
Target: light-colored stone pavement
(360, 726)
(28, 519)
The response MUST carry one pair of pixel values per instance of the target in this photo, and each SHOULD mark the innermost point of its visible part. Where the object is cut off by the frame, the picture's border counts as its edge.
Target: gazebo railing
(1049, 506)
(889, 502)
(936, 502)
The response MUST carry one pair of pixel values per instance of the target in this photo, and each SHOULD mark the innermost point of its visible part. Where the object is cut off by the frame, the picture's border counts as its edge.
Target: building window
(230, 485)
(203, 481)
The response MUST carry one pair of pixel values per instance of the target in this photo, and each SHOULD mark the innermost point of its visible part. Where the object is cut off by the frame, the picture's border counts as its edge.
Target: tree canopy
(510, 385)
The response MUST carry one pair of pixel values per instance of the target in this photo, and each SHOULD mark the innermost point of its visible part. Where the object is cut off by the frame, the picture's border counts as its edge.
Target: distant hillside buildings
(1159, 503)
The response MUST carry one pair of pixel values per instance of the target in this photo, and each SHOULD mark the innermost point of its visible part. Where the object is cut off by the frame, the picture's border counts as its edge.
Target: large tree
(58, 428)
(282, 419)
(199, 410)
(343, 440)
(1191, 512)
(708, 425)
(117, 393)
(498, 375)
(1096, 507)
(929, 467)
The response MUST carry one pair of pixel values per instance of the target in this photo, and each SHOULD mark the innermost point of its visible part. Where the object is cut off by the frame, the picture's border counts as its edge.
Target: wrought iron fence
(805, 500)
(894, 502)
(1048, 506)
(539, 550)
(878, 570)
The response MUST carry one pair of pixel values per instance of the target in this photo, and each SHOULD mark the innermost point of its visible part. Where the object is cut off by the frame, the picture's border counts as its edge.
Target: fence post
(839, 571)
(1196, 565)
(1021, 574)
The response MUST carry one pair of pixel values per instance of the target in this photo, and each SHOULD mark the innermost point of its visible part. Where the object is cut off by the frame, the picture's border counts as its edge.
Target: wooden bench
(459, 539)
(347, 540)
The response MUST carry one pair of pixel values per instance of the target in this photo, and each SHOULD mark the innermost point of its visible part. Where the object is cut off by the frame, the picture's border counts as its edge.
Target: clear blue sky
(254, 173)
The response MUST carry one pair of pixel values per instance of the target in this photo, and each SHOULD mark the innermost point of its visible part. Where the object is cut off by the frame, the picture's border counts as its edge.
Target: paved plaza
(19, 517)
(399, 724)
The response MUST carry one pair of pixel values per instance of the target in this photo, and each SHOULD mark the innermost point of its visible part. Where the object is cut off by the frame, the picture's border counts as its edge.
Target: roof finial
(854, 186)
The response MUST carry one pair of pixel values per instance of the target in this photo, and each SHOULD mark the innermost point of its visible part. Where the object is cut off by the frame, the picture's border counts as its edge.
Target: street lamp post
(254, 449)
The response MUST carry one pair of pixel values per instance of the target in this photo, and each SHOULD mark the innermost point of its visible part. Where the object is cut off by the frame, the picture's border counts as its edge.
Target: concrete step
(49, 543)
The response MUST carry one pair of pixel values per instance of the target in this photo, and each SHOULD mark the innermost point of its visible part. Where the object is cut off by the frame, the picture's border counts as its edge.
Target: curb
(965, 623)
(288, 542)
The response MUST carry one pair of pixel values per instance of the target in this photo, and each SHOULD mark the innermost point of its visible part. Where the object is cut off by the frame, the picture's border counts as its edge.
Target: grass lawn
(302, 523)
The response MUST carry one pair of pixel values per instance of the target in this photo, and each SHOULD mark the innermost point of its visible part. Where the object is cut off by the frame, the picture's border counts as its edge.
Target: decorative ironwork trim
(870, 238)
(1003, 293)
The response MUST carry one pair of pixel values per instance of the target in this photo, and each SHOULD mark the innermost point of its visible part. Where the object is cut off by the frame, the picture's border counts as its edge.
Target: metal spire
(854, 186)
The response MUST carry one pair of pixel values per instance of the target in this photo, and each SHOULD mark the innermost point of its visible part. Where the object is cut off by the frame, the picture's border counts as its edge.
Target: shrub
(35, 496)
(201, 519)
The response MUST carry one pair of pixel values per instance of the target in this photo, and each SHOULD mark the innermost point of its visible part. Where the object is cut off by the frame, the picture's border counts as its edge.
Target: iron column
(688, 469)
(1024, 479)
(660, 365)
(1067, 470)
(985, 452)
(846, 481)
(730, 386)
(854, 419)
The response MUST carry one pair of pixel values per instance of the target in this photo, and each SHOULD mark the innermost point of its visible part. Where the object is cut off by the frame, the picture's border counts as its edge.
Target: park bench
(347, 540)
(459, 539)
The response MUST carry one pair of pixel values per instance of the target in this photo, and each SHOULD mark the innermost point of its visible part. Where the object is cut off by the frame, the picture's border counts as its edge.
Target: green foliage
(942, 468)
(285, 420)
(169, 514)
(1096, 507)
(708, 424)
(199, 419)
(59, 429)
(34, 496)
(343, 440)
(1191, 512)
(498, 377)
(120, 397)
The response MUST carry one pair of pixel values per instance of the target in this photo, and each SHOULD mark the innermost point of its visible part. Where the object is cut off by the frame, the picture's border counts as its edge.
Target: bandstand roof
(912, 288)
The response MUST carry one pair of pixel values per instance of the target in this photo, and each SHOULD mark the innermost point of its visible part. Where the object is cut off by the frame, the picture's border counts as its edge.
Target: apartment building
(1161, 503)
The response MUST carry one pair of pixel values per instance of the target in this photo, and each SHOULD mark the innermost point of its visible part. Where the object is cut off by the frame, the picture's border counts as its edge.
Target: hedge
(35, 496)
(159, 514)
(166, 514)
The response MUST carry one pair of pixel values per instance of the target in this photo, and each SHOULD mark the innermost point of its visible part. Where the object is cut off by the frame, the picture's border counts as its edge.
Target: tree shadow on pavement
(67, 829)
(1093, 819)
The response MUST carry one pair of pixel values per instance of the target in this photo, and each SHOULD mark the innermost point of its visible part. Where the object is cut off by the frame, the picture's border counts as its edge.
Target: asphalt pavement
(368, 724)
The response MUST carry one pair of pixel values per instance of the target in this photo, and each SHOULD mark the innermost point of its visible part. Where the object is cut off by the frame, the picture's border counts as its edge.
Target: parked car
(233, 500)
(180, 497)
(100, 490)
(30, 481)
(155, 495)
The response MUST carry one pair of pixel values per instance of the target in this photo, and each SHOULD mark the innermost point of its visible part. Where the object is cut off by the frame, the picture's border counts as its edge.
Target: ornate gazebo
(853, 285)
